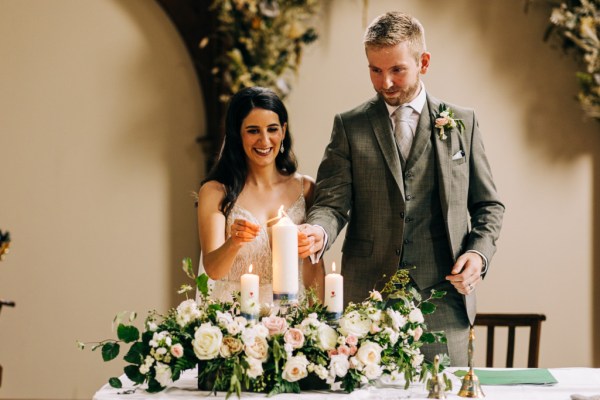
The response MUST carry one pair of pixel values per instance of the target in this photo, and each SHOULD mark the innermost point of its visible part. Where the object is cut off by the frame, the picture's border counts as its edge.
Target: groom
(414, 195)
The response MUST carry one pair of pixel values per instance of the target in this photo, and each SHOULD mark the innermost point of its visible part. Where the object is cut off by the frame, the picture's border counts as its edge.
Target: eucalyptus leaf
(202, 284)
(186, 265)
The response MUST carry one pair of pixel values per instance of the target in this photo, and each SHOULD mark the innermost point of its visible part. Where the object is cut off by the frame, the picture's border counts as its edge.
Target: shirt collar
(417, 103)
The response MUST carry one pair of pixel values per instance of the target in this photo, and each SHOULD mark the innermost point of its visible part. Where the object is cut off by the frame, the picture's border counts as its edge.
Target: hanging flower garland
(261, 42)
(576, 23)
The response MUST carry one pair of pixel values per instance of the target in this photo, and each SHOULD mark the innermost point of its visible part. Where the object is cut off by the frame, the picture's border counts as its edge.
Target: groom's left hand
(310, 240)
(466, 272)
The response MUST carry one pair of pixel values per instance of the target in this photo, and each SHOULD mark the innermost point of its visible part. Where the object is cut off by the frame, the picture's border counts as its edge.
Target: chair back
(511, 321)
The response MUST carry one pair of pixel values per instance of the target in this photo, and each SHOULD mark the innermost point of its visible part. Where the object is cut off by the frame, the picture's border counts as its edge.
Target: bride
(254, 175)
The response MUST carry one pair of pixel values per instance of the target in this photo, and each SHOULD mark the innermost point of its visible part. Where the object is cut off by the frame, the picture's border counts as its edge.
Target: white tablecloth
(583, 381)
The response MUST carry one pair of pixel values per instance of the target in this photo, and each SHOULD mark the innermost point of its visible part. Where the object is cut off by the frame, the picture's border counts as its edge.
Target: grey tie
(402, 129)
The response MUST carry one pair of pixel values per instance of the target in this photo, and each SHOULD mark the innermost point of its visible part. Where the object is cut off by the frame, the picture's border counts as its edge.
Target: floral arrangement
(380, 337)
(261, 41)
(445, 120)
(577, 24)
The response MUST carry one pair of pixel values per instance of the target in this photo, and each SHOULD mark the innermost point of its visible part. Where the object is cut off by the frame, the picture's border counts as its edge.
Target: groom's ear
(425, 58)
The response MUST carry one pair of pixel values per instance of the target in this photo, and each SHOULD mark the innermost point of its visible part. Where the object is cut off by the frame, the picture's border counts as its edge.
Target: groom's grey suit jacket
(361, 181)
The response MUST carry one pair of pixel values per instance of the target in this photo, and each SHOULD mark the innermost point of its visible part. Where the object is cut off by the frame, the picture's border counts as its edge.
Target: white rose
(152, 326)
(187, 312)
(321, 371)
(145, 367)
(338, 365)
(417, 360)
(207, 342)
(224, 319)
(355, 324)
(163, 374)
(234, 328)
(416, 316)
(326, 337)
(374, 314)
(375, 295)
(398, 320)
(391, 334)
(255, 368)
(250, 333)
(372, 371)
(258, 349)
(369, 353)
(295, 369)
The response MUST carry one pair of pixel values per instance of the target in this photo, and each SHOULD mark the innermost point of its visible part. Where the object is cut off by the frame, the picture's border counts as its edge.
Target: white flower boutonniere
(444, 120)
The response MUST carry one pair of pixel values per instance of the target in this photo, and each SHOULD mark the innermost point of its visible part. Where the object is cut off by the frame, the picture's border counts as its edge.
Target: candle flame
(250, 269)
(333, 267)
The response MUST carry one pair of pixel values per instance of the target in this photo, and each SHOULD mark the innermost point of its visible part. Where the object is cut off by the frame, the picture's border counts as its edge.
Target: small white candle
(285, 257)
(334, 291)
(249, 294)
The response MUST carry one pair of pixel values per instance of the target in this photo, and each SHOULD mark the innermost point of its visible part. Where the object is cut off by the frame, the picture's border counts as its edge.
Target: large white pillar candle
(334, 292)
(285, 258)
(249, 295)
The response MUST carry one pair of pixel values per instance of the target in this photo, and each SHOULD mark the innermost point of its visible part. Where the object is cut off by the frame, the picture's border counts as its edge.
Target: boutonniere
(444, 120)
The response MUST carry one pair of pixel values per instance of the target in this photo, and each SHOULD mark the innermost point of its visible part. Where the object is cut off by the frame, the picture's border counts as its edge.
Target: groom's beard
(402, 96)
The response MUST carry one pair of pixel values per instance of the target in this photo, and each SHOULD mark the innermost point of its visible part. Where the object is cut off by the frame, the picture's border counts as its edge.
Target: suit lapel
(422, 137)
(380, 121)
(443, 157)
(444, 152)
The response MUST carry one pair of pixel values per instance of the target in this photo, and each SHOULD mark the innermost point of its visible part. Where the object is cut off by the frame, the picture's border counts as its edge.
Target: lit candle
(249, 294)
(334, 292)
(285, 258)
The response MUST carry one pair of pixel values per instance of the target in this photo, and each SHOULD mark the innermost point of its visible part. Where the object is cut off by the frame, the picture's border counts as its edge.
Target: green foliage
(166, 347)
(110, 350)
(202, 284)
(128, 333)
(115, 382)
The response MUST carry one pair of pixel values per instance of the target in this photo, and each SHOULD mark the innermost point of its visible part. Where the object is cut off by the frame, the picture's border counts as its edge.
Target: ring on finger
(237, 234)
(470, 286)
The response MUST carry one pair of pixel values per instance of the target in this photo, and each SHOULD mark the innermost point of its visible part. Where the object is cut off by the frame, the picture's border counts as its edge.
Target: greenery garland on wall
(238, 43)
(576, 25)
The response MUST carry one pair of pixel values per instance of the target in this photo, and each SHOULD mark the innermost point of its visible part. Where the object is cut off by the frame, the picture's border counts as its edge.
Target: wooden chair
(533, 321)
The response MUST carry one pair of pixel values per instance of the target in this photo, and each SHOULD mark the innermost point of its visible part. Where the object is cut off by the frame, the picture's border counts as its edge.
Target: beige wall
(99, 113)
(100, 109)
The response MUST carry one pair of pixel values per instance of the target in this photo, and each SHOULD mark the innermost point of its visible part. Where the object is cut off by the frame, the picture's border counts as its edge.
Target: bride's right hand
(243, 231)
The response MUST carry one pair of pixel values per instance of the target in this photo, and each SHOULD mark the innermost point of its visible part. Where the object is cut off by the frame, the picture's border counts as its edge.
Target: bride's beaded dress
(256, 252)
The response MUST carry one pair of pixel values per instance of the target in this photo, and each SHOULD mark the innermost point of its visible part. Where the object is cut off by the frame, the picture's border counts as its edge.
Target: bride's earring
(281, 149)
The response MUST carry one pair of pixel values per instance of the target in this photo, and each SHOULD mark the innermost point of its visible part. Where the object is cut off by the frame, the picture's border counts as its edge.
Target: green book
(530, 376)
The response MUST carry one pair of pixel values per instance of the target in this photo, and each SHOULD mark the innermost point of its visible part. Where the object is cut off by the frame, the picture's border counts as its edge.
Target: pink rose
(275, 325)
(344, 350)
(351, 340)
(177, 350)
(418, 332)
(353, 350)
(332, 353)
(294, 337)
(442, 121)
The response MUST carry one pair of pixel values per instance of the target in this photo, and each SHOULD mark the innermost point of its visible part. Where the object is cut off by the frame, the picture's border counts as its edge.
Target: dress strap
(301, 185)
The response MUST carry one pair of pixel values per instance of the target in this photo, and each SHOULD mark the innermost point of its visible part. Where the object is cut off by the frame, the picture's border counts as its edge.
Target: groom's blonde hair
(393, 28)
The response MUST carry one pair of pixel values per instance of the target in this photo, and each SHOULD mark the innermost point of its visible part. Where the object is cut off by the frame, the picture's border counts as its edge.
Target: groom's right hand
(310, 240)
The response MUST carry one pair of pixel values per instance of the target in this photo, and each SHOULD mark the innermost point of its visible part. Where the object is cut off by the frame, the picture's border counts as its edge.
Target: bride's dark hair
(231, 169)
